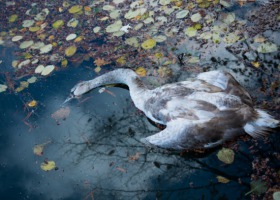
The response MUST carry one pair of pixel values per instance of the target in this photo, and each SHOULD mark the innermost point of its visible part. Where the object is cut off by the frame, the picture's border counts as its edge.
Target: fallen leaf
(61, 114)
(226, 155)
(222, 179)
(148, 44)
(38, 149)
(48, 165)
(141, 71)
(100, 62)
(121, 169)
(32, 103)
(135, 157)
(257, 187)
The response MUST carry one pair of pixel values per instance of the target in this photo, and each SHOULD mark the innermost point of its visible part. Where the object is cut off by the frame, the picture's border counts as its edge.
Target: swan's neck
(137, 89)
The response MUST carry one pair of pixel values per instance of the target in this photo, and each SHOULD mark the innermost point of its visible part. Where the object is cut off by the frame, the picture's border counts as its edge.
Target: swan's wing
(185, 134)
(171, 136)
(217, 78)
(227, 83)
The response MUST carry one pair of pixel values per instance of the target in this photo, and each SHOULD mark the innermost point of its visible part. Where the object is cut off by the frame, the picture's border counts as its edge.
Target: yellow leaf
(32, 103)
(256, 64)
(226, 155)
(70, 51)
(148, 44)
(141, 71)
(121, 60)
(38, 149)
(75, 9)
(222, 179)
(48, 165)
(97, 69)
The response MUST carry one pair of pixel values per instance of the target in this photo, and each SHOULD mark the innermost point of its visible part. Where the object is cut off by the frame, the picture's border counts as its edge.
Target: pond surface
(94, 141)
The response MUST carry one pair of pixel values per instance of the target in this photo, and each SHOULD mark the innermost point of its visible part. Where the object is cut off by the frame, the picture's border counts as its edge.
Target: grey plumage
(201, 112)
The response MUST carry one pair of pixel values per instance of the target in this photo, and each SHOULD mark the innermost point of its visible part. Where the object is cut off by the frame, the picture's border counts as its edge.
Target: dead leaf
(222, 179)
(38, 149)
(121, 169)
(48, 165)
(61, 114)
(100, 62)
(135, 157)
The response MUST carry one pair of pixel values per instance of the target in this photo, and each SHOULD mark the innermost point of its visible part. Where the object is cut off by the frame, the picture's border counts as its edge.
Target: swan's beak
(68, 99)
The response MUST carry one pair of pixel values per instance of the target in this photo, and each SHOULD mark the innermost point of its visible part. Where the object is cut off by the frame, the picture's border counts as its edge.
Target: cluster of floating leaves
(50, 35)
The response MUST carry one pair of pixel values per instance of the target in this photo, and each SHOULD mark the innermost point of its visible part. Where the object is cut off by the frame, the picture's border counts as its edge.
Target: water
(97, 150)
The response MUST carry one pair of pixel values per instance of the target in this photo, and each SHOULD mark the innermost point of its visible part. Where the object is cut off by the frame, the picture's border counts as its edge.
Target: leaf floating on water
(267, 47)
(32, 79)
(132, 41)
(38, 149)
(48, 165)
(13, 18)
(257, 187)
(148, 44)
(57, 24)
(100, 62)
(61, 114)
(70, 51)
(47, 70)
(222, 179)
(182, 14)
(141, 71)
(32, 103)
(164, 2)
(196, 17)
(26, 44)
(28, 23)
(191, 31)
(17, 38)
(226, 155)
(114, 27)
(276, 195)
(3, 88)
(75, 9)
(46, 48)
(71, 36)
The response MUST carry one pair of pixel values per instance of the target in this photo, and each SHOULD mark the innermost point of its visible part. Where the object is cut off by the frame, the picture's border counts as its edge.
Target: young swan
(198, 113)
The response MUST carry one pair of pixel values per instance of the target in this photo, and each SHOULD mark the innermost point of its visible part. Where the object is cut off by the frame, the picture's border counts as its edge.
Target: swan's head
(78, 90)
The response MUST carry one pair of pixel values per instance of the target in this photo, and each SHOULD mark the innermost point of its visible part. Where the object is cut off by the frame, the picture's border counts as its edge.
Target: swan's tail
(262, 125)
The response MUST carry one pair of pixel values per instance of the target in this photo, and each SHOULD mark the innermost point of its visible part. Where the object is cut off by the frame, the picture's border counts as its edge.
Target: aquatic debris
(148, 44)
(47, 70)
(114, 27)
(164, 2)
(267, 47)
(48, 165)
(3, 88)
(100, 62)
(196, 17)
(181, 14)
(141, 71)
(42, 15)
(71, 36)
(75, 9)
(222, 179)
(24, 63)
(96, 29)
(73, 23)
(39, 148)
(276, 195)
(32, 103)
(34, 28)
(132, 41)
(57, 24)
(45, 49)
(28, 23)
(13, 18)
(190, 31)
(17, 38)
(257, 187)
(125, 28)
(108, 7)
(61, 114)
(33, 79)
(44, 71)
(226, 155)
(26, 44)
(70, 51)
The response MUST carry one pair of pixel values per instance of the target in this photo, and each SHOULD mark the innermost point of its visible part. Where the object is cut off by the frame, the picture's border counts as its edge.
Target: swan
(202, 112)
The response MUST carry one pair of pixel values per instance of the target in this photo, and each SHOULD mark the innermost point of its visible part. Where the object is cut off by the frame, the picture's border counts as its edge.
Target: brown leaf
(61, 114)
(100, 62)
